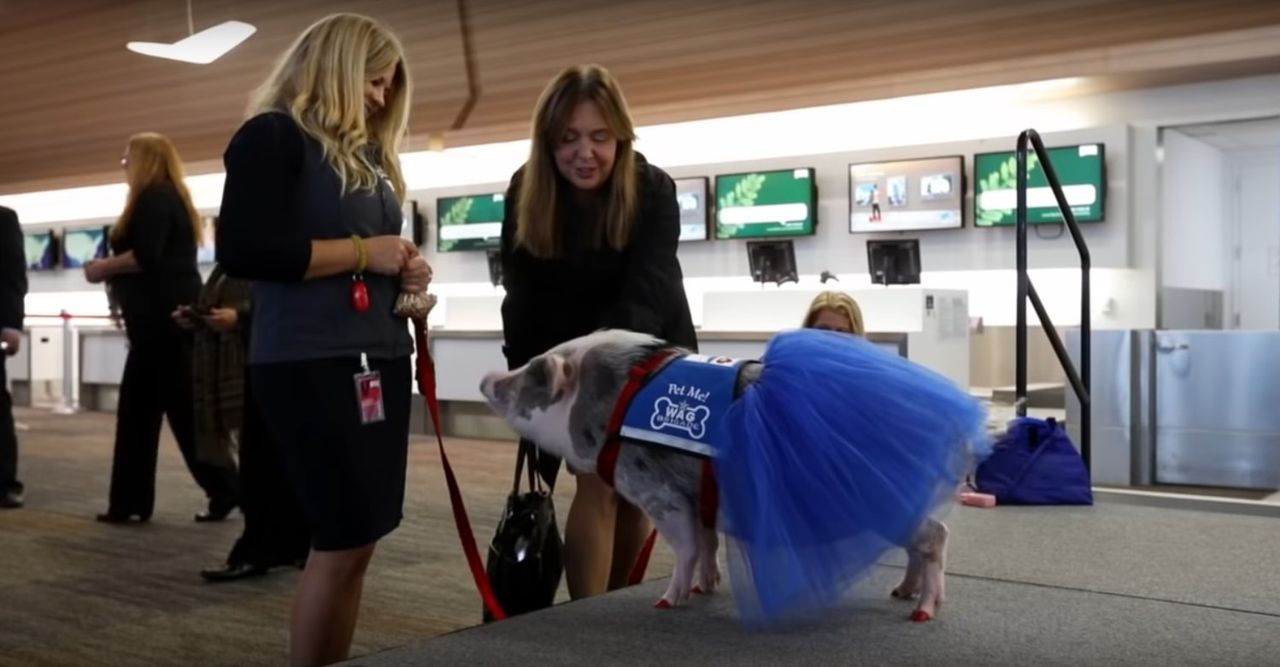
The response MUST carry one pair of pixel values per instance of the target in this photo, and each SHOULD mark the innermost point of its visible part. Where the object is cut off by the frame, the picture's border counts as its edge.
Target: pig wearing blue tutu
(813, 462)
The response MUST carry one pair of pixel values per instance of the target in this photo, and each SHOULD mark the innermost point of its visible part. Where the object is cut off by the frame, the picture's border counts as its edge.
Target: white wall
(1125, 248)
(1193, 209)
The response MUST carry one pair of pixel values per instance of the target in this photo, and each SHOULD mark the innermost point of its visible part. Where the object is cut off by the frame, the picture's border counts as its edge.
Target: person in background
(589, 240)
(835, 311)
(13, 293)
(152, 271)
(227, 419)
(311, 215)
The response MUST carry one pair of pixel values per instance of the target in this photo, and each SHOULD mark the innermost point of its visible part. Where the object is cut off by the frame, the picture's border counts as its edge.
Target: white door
(1255, 269)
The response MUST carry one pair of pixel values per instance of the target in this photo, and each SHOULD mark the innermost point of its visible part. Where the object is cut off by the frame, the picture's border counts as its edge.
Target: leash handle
(427, 385)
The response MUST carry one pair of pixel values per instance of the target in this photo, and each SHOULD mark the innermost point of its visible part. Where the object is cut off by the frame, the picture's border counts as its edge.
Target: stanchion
(69, 404)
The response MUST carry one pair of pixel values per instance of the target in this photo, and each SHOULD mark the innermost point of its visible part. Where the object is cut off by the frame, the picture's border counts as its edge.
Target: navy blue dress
(307, 342)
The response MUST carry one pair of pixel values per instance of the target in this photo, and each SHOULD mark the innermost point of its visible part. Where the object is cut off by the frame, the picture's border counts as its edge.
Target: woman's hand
(388, 255)
(182, 316)
(416, 275)
(221, 320)
(95, 271)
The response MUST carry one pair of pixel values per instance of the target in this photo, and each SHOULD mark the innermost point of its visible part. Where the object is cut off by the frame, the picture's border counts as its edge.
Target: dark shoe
(113, 517)
(218, 511)
(11, 500)
(231, 572)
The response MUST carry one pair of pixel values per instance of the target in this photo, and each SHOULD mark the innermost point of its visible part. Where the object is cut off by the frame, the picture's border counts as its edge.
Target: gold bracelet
(362, 255)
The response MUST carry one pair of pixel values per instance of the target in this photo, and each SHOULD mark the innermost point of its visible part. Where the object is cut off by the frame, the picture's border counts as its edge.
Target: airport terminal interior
(1124, 294)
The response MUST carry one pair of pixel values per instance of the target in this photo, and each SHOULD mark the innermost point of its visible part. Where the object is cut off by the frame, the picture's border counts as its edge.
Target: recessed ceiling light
(201, 47)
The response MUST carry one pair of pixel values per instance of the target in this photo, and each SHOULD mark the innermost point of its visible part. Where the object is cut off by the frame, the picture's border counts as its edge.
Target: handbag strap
(427, 385)
(526, 452)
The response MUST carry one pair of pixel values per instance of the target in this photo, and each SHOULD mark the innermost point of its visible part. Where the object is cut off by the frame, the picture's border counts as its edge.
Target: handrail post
(1081, 384)
(1020, 332)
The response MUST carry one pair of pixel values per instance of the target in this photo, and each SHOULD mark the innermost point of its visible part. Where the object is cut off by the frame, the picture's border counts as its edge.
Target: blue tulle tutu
(836, 455)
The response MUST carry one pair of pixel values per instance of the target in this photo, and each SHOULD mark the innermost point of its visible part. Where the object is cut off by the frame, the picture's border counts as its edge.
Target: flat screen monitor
(41, 249)
(894, 262)
(81, 246)
(772, 261)
(470, 222)
(1081, 170)
(764, 204)
(906, 195)
(693, 195)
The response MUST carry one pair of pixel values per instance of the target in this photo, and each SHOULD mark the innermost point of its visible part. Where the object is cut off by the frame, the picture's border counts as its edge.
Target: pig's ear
(563, 375)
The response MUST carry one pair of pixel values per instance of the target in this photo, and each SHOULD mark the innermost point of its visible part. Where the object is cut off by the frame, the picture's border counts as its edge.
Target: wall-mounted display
(41, 249)
(695, 216)
(763, 204)
(81, 246)
(1081, 171)
(906, 195)
(471, 222)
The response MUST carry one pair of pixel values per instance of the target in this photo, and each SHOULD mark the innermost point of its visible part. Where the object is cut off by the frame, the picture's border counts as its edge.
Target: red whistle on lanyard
(359, 295)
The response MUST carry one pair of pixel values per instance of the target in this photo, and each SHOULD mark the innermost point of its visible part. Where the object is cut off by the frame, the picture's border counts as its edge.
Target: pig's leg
(911, 581)
(708, 569)
(926, 570)
(678, 526)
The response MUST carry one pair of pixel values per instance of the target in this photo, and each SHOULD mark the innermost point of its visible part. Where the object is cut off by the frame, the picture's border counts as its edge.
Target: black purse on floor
(525, 561)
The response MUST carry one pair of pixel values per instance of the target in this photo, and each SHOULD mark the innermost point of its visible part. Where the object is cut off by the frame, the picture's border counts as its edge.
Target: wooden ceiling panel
(72, 93)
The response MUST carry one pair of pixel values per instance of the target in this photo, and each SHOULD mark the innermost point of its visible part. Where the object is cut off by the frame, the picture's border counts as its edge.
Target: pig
(562, 400)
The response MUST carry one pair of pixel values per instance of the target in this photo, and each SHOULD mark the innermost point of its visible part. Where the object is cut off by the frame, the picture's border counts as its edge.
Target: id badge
(369, 395)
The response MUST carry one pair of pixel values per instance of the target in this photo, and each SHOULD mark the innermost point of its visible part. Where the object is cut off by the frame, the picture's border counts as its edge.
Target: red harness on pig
(607, 462)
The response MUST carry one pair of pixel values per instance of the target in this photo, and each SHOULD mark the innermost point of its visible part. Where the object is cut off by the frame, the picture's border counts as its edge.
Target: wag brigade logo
(668, 414)
(687, 412)
(682, 407)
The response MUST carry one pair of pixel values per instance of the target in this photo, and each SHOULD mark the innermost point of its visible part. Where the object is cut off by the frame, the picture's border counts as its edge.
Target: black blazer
(641, 288)
(13, 271)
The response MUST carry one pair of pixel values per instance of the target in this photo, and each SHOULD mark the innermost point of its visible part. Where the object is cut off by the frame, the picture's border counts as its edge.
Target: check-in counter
(925, 325)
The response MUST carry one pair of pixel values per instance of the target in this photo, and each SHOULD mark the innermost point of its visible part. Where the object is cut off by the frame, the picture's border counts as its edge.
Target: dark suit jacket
(13, 271)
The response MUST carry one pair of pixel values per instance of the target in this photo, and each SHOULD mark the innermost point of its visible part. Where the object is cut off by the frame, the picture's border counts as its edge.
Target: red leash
(427, 385)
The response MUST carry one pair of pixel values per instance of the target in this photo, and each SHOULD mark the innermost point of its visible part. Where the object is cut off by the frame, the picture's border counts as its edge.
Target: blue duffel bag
(1035, 463)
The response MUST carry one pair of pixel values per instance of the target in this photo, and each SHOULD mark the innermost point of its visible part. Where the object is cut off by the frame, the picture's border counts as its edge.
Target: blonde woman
(589, 241)
(311, 215)
(153, 269)
(835, 311)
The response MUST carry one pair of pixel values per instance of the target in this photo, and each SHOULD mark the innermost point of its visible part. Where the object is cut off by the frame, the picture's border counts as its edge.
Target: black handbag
(525, 561)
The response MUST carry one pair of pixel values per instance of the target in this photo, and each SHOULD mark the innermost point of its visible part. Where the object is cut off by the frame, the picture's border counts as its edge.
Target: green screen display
(473, 222)
(1081, 172)
(81, 246)
(766, 203)
(40, 249)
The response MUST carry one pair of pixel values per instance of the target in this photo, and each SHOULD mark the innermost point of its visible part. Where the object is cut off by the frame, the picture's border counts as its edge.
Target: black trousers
(157, 383)
(275, 530)
(8, 438)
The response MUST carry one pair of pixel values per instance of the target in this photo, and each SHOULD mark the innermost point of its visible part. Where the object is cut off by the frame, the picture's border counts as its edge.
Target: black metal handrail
(1079, 381)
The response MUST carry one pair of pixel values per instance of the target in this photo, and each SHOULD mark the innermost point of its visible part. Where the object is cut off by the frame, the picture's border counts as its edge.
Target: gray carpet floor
(1112, 584)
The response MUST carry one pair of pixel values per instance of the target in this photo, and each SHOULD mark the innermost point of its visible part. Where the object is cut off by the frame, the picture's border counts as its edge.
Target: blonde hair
(320, 80)
(837, 302)
(538, 227)
(154, 160)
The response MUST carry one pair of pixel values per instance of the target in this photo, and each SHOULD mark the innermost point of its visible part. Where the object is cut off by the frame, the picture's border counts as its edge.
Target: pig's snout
(492, 385)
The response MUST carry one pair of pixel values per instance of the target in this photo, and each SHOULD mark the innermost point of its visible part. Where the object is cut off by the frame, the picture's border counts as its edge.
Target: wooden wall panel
(70, 93)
